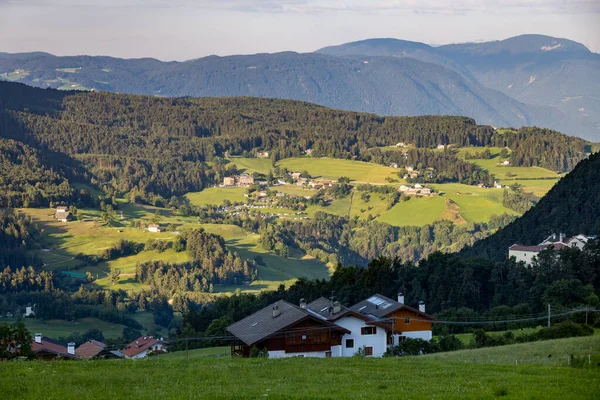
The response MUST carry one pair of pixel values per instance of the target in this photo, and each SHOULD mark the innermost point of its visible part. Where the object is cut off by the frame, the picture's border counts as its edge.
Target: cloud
(338, 6)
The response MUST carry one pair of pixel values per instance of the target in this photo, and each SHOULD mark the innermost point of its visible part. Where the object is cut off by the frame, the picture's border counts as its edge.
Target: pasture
(216, 196)
(57, 328)
(209, 373)
(418, 211)
(251, 165)
(330, 168)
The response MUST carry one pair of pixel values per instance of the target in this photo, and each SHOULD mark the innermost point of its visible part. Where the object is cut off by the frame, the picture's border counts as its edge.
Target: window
(407, 320)
(349, 343)
(368, 351)
(368, 330)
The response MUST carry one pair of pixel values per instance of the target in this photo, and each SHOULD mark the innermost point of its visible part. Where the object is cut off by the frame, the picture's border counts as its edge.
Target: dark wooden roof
(323, 307)
(262, 324)
(378, 307)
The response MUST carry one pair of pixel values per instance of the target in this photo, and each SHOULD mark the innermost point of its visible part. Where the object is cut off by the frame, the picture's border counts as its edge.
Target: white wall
(354, 325)
(425, 335)
(283, 354)
(521, 255)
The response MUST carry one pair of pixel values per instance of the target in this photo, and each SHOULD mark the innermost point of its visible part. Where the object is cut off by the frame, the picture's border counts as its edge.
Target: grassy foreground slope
(205, 375)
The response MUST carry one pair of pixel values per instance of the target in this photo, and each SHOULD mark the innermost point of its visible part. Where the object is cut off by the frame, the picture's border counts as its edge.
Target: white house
(143, 346)
(555, 242)
(154, 228)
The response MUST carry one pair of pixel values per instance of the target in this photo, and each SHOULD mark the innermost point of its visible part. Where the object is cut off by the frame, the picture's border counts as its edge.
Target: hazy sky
(184, 29)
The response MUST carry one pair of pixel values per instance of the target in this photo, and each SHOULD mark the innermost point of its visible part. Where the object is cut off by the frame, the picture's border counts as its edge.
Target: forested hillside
(143, 146)
(571, 207)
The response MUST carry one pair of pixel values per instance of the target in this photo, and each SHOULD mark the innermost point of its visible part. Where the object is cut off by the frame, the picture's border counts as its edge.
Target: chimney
(422, 306)
(337, 307)
(303, 304)
(561, 237)
(71, 348)
(276, 311)
(38, 338)
(400, 297)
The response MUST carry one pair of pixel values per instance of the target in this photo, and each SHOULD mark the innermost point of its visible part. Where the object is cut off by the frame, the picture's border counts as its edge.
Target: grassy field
(533, 179)
(476, 204)
(205, 375)
(216, 196)
(61, 328)
(415, 212)
(547, 352)
(330, 168)
(251, 165)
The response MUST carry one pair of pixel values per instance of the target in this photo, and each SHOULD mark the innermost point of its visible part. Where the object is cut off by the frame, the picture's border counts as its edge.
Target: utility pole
(548, 315)
(586, 315)
(187, 356)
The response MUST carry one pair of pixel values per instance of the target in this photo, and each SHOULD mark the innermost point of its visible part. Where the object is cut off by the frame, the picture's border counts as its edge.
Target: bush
(413, 347)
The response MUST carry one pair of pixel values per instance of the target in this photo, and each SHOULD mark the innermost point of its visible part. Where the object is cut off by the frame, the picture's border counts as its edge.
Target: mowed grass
(546, 352)
(175, 377)
(330, 168)
(418, 211)
(216, 196)
(251, 165)
(476, 204)
(56, 328)
(534, 179)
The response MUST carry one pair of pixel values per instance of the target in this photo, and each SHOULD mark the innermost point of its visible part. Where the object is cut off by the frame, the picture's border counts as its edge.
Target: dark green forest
(145, 146)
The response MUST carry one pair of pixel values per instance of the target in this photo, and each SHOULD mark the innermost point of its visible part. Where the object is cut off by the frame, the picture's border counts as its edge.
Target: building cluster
(45, 348)
(416, 190)
(325, 328)
(239, 180)
(556, 242)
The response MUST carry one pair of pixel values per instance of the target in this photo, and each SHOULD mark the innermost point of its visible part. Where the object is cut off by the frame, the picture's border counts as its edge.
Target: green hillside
(175, 376)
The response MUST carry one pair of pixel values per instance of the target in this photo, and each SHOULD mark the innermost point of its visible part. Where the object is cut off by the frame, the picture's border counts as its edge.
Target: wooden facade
(409, 321)
(305, 336)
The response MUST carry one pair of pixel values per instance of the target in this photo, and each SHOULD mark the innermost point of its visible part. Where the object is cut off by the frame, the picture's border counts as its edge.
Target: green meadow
(331, 168)
(251, 165)
(210, 373)
(56, 328)
(476, 204)
(216, 196)
(418, 211)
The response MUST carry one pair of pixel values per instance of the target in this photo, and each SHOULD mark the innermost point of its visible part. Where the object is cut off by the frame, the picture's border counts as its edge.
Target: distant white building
(506, 163)
(527, 254)
(154, 228)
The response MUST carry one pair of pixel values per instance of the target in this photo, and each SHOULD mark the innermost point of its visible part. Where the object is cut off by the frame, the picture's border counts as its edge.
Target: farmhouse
(62, 214)
(394, 165)
(416, 190)
(506, 162)
(325, 328)
(555, 242)
(246, 180)
(143, 346)
(154, 228)
(285, 330)
(262, 154)
(229, 181)
(45, 348)
(404, 321)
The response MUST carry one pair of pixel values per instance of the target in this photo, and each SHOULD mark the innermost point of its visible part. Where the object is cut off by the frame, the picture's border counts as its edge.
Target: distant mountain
(572, 206)
(533, 69)
(391, 77)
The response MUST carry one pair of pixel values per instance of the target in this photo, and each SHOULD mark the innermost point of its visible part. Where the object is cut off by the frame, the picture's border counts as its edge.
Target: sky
(187, 29)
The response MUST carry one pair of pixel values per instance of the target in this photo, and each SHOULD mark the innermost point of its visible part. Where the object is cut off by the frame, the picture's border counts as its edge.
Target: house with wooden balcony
(285, 330)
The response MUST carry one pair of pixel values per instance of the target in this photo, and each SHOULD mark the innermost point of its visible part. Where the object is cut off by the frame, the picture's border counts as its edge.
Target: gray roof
(323, 308)
(377, 306)
(62, 214)
(262, 324)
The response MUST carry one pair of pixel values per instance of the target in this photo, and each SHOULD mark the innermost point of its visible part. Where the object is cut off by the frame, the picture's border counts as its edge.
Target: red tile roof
(139, 345)
(518, 247)
(90, 349)
(50, 346)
